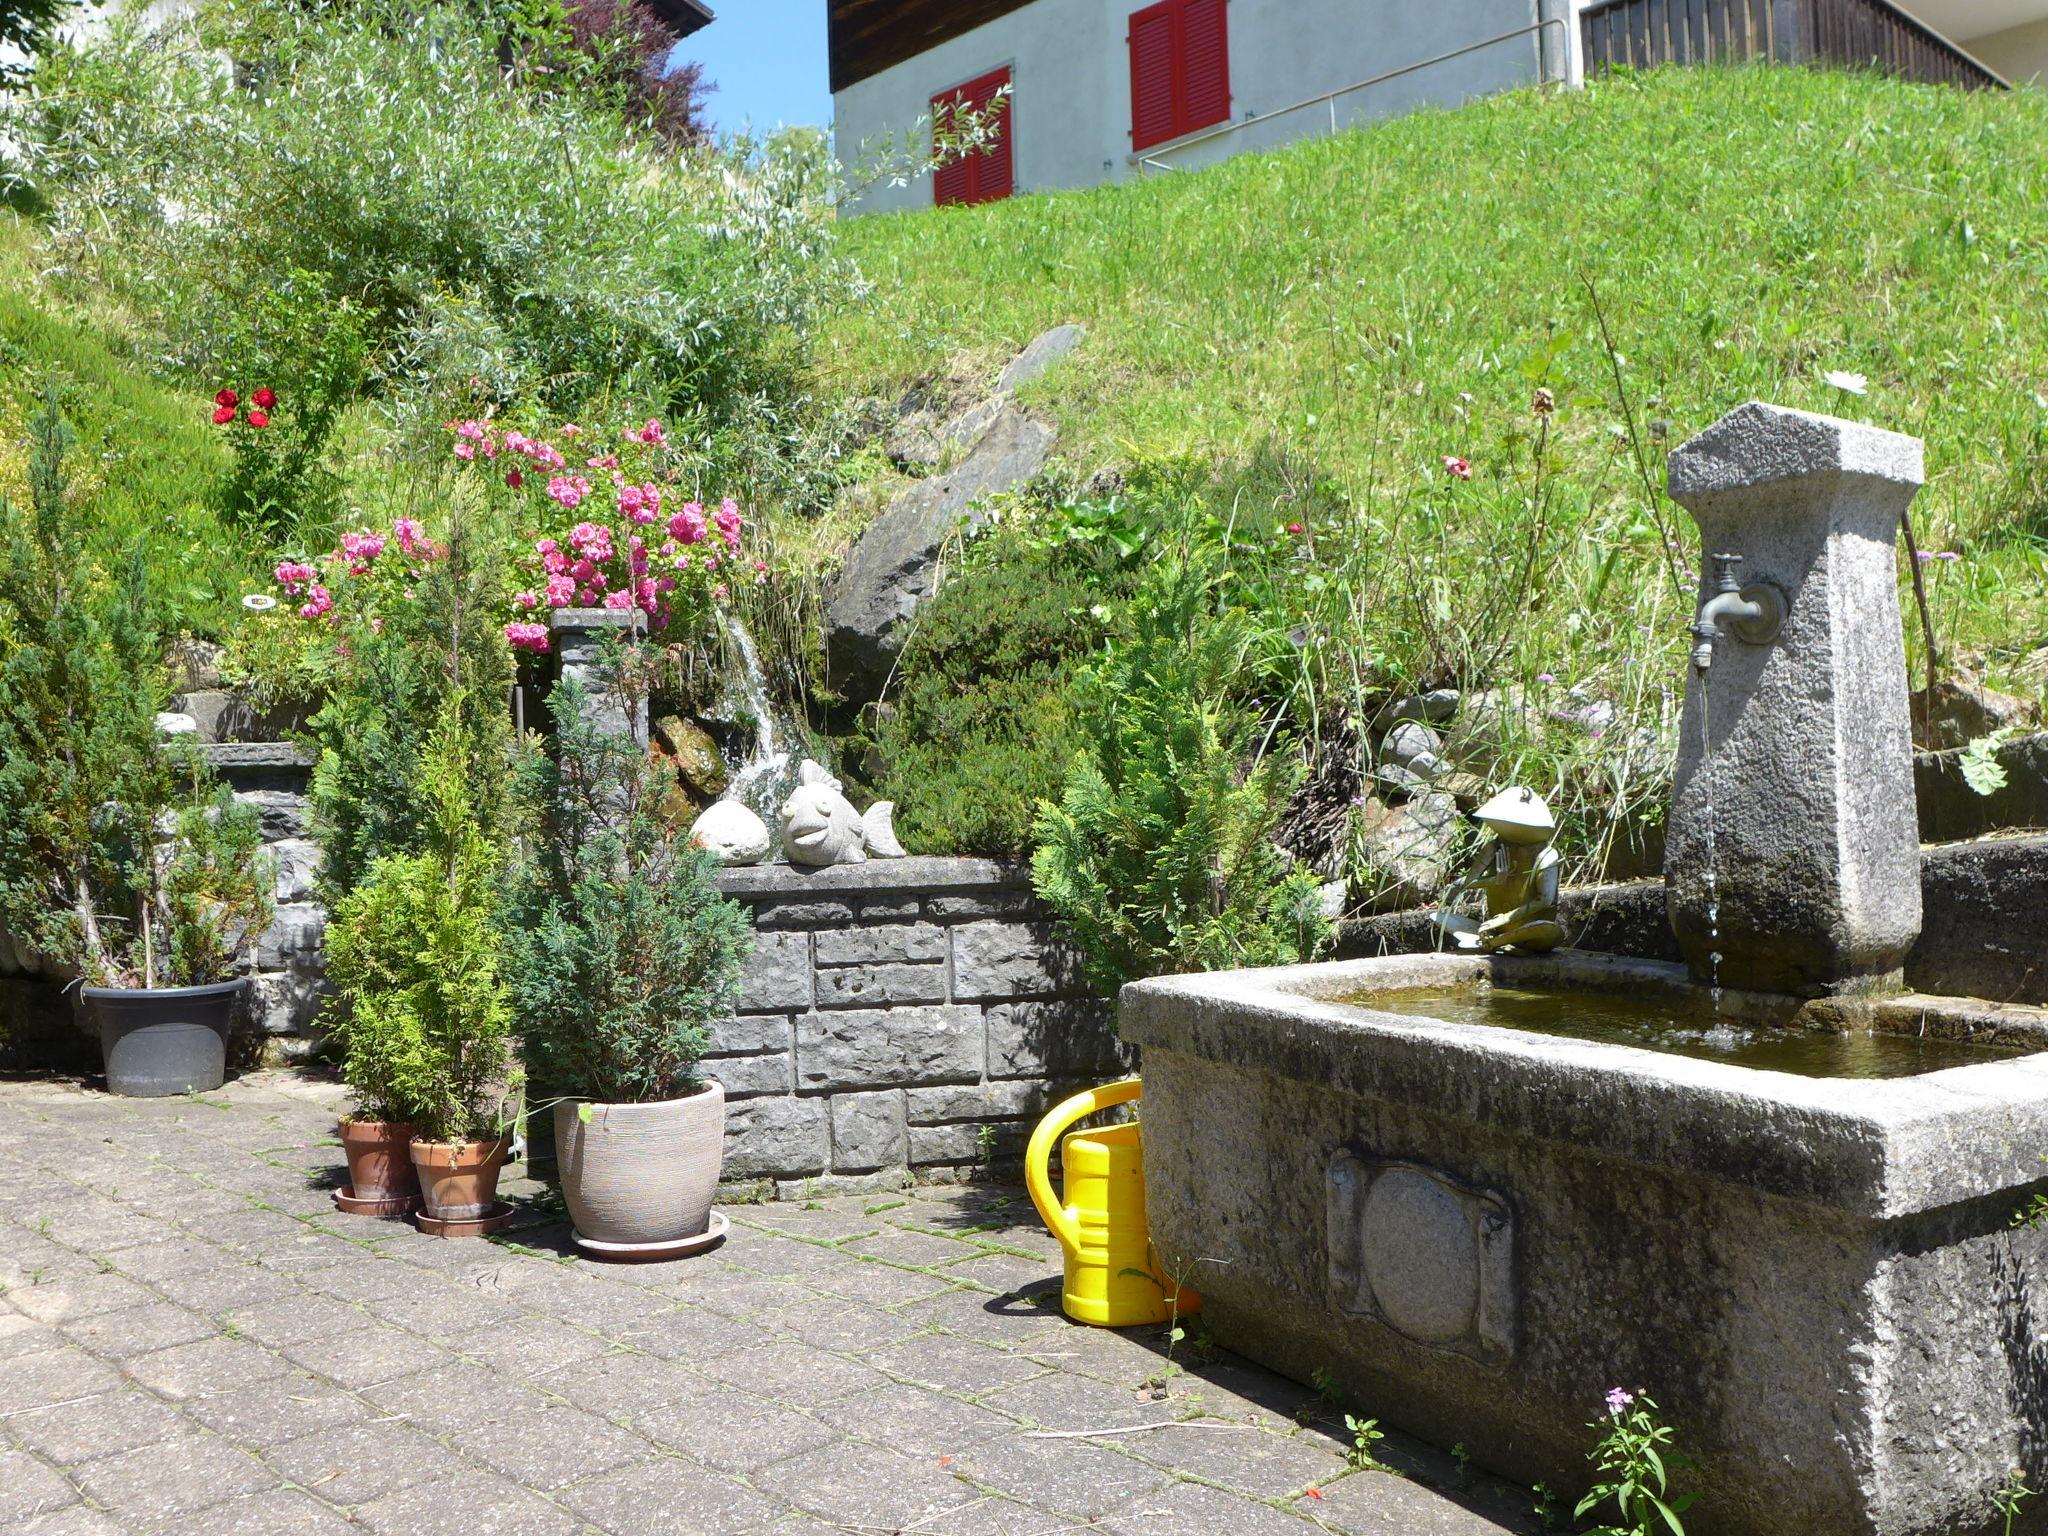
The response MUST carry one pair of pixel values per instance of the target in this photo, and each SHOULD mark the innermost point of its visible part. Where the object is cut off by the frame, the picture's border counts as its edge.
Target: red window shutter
(1153, 115)
(952, 182)
(989, 174)
(1205, 65)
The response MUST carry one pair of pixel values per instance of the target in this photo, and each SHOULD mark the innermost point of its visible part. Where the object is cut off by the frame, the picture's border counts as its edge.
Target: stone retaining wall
(898, 1015)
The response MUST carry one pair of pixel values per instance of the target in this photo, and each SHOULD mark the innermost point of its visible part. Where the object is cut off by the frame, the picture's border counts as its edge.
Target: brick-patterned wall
(894, 1009)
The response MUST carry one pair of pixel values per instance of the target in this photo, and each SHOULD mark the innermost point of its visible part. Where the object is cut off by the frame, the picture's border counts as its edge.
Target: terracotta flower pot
(459, 1179)
(380, 1159)
(636, 1174)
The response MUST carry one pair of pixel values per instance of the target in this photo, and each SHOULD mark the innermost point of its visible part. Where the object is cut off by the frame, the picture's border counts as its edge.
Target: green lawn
(147, 458)
(1321, 325)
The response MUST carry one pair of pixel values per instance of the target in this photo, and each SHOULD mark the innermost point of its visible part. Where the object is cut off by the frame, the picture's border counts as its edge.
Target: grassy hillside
(147, 459)
(1319, 327)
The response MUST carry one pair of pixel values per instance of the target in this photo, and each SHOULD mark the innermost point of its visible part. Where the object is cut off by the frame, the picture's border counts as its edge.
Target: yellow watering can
(1113, 1278)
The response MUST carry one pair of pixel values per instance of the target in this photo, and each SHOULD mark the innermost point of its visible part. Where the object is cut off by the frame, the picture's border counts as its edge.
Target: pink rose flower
(527, 636)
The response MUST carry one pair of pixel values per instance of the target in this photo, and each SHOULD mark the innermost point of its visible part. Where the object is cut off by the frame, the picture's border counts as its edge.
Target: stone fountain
(1777, 1193)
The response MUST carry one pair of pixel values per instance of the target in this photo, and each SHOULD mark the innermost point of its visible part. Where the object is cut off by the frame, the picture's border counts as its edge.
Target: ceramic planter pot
(380, 1159)
(158, 1041)
(640, 1174)
(459, 1179)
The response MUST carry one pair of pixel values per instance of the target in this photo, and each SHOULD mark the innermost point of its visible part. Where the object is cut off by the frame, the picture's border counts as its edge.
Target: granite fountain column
(1792, 862)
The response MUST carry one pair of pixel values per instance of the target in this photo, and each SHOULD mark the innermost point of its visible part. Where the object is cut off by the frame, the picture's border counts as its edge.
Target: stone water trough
(1481, 1190)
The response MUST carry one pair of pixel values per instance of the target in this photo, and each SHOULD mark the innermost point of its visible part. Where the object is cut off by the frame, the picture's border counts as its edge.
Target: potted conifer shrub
(420, 1008)
(620, 954)
(121, 862)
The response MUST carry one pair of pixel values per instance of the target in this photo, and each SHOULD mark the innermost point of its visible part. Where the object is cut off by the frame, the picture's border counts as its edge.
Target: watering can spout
(1113, 1278)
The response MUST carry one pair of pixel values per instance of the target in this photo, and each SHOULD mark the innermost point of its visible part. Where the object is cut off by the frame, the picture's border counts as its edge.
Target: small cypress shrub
(620, 953)
(1159, 857)
(421, 1017)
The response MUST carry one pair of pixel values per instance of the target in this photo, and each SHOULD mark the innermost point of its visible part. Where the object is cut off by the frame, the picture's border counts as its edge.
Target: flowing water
(1706, 771)
(1683, 1025)
(762, 779)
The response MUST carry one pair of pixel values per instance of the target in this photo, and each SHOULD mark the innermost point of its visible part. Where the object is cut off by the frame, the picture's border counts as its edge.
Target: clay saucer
(468, 1226)
(401, 1205)
(649, 1253)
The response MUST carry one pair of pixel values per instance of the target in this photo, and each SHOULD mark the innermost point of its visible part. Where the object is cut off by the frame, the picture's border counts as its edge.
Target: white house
(1102, 90)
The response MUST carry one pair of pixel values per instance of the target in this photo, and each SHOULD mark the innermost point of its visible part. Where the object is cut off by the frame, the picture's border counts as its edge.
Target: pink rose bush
(613, 530)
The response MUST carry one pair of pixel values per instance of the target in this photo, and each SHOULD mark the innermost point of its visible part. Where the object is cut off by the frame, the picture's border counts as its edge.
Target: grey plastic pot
(158, 1041)
(642, 1173)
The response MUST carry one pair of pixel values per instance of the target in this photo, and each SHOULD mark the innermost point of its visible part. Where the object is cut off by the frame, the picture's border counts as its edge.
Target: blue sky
(768, 60)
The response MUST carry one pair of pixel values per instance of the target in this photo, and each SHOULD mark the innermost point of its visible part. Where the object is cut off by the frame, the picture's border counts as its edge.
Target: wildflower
(1457, 466)
(1947, 554)
(1546, 677)
(1544, 403)
(719, 592)
(761, 566)
(318, 601)
(223, 414)
(228, 398)
(265, 398)
(1296, 529)
(1617, 1399)
(258, 602)
(259, 419)
(1848, 383)
(525, 635)
(293, 575)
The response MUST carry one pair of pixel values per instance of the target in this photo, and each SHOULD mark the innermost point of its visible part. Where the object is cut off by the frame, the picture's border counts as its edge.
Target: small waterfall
(764, 777)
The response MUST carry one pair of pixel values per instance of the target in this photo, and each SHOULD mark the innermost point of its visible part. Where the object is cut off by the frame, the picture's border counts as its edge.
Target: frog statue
(1516, 875)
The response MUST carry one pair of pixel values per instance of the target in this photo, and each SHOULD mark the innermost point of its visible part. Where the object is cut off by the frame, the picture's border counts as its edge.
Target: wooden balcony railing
(1851, 33)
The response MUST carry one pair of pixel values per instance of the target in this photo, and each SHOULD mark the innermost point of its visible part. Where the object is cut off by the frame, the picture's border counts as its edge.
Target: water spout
(1753, 614)
(766, 774)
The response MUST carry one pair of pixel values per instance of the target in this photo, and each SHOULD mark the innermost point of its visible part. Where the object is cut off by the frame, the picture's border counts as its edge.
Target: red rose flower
(227, 397)
(222, 415)
(259, 418)
(514, 479)
(265, 397)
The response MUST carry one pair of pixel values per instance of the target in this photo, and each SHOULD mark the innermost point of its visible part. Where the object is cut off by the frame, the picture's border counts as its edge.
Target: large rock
(1408, 850)
(1046, 348)
(889, 570)
(1957, 713)
(696, 755)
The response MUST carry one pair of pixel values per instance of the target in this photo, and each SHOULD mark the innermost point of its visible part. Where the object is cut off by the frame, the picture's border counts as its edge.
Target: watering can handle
(1038, 1156)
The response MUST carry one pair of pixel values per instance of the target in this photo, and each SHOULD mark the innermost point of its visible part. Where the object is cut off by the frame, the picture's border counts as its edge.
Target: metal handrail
(1345, 90)
(1896, 13)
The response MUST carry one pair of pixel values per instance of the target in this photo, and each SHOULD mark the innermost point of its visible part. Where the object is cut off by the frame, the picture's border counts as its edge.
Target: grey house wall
(1071, 98)
(898, 1015)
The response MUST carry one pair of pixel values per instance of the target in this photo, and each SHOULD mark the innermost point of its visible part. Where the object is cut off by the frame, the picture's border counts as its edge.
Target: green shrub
(620, 953)
(403, 654)
(1159, 857)
(983, 728)
(420, 1014)
(86, 877)
(497, 236)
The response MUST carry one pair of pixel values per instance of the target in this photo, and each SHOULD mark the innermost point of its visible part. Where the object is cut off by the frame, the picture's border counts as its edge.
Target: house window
(1180, 70)
(988, 174)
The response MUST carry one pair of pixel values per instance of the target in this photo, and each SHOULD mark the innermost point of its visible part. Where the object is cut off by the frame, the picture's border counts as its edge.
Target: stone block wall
(287, 975)
(900, 1015)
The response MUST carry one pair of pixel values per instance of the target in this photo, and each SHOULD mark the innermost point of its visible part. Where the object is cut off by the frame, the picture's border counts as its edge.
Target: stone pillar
(1793, 848)
(579, 638)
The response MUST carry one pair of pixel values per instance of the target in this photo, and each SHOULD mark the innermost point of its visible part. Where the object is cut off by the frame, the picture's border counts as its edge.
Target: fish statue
(821, 827)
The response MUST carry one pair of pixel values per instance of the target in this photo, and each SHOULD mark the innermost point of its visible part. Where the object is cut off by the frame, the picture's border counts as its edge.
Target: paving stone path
(192, 1339)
